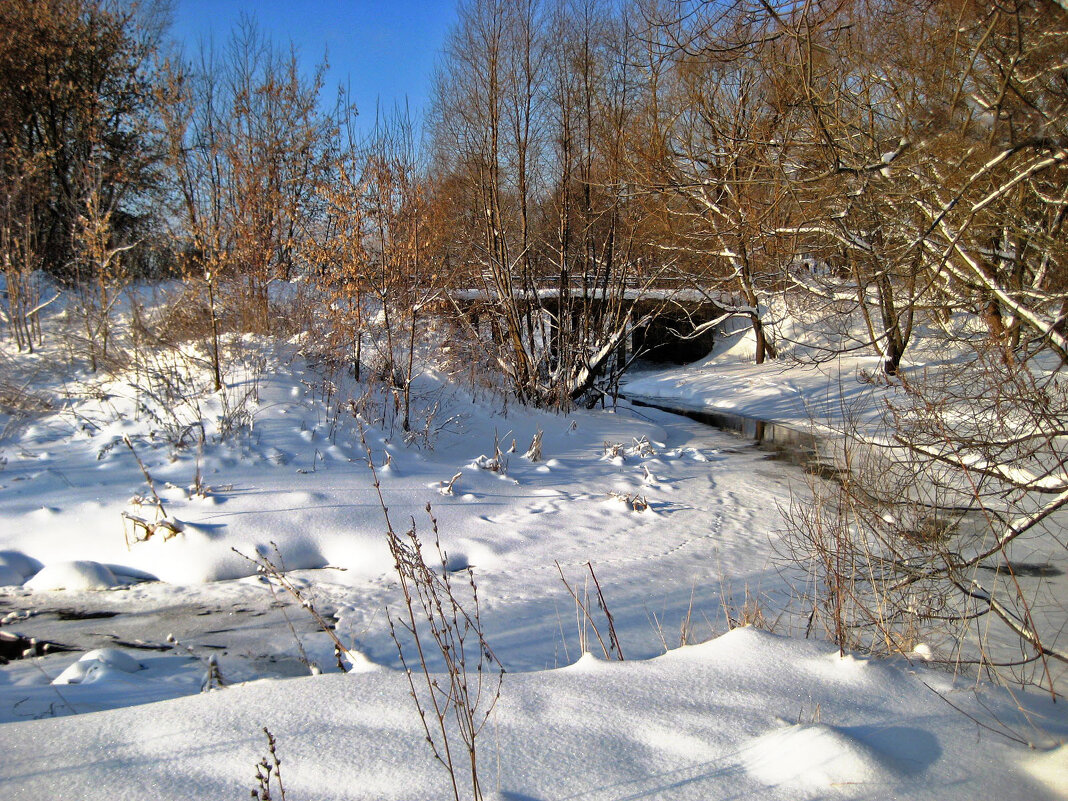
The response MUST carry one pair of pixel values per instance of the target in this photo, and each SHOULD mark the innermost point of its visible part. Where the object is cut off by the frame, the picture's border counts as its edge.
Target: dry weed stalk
(446, 487)
(148, 528)
(642, 447)
(275, 574)
(144, 529)
(269, 772)
(213, 677)
(434, 618)
(582, 608)
(533, 453)
(498, 463)
(635, 502)
(751, 612)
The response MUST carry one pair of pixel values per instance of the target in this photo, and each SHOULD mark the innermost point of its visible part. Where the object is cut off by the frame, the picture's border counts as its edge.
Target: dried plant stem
(147, 475)
(583, 608)
(275, 574)
(608, 615)
(433, 618)
(268, 768)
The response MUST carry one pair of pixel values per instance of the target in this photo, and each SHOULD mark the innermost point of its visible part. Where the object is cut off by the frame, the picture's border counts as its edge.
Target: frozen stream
(671, 574)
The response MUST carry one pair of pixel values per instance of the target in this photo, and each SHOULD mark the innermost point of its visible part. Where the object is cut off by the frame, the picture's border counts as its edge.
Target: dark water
(792, 445)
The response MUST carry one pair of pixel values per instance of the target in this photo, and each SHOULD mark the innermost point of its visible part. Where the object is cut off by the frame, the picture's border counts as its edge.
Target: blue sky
(385, 50)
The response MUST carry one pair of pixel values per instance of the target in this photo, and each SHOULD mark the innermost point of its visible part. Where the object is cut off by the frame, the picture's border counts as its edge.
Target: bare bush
(945, 532)
(161, 522)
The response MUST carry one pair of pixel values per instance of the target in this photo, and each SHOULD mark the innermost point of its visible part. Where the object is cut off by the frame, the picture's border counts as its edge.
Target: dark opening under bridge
(676, 325)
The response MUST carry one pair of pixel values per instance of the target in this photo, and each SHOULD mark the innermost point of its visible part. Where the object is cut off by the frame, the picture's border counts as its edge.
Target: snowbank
(748, 715)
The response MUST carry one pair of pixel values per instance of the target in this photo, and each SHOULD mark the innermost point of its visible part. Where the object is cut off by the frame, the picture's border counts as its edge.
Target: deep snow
(747, 715)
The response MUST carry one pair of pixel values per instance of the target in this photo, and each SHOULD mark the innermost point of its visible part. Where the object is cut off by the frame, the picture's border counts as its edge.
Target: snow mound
(16, 563)
(9, 577)
(99, 665)
(673, 727)
(814, 756)
(587, 663)
(76, 575)
(359, 663)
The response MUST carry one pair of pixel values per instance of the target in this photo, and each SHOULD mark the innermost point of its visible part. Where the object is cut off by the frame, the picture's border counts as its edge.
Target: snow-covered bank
(928, 442)
(748, 715)
(806, 389)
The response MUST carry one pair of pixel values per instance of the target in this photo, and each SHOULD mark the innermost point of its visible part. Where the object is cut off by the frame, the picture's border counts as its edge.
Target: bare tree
(401, 275)
(20, 251)
(74, 101)
(717, 148)
(248, 151)
(99, 269)
(945, 524)
(532, 108)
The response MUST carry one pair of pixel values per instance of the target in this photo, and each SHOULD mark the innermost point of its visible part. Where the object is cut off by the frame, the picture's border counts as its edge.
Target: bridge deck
(632, 294)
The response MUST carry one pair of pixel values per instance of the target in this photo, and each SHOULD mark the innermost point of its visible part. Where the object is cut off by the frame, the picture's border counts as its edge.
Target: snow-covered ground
(746, 715)
(276, 466)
